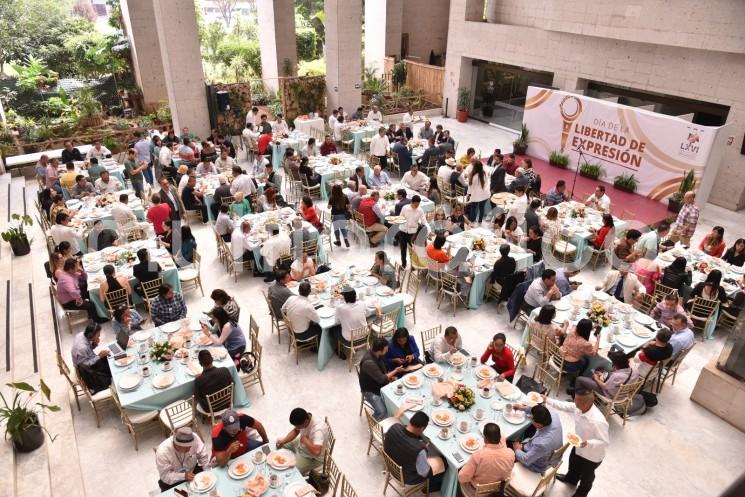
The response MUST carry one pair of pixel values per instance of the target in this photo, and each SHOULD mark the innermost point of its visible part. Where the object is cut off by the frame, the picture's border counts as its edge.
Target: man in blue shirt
(535, 452)
(682, 335)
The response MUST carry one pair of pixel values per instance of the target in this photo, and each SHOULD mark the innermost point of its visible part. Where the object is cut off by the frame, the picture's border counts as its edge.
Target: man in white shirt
(543, 290)
(599, 200)
(445, 172)
(352, 315)
(414, 218)
(223, 223)
(378, 178)
(242, 183)
(414, 180)
(106, 184)
(241, 246)
(165, 156)
(251, 138)
(280, 125)
(277, 244)
(251, 117)
(124, 215)
(379, 146)
(375, 114)
(306, 439)
(62, 231)
(444, 346)
(310, 149)
(179, 458)
(592, 428)
(339, 128)
(225, 163)
(98, 151)
(519, 206)
(302, 315)
(333, 119)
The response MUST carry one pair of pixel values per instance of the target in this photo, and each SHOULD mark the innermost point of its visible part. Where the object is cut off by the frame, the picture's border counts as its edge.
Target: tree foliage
(27, 26)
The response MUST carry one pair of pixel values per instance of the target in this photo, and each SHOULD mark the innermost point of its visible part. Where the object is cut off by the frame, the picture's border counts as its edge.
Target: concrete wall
(343, 52)
(426, 22)
(708, 66)
(276, 20)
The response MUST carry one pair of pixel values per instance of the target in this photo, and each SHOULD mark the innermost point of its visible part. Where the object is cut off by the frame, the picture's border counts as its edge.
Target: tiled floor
(678, 446)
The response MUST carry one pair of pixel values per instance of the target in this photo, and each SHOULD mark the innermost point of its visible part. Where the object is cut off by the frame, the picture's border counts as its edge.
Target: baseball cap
(230, 420)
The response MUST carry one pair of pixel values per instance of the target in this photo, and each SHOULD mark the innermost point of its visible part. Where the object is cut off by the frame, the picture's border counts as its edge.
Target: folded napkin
(306, 490)
(443, 389)
(505, 389)
(484, 383)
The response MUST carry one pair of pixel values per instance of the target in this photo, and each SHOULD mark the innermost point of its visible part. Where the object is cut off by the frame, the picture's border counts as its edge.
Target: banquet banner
(656, 148)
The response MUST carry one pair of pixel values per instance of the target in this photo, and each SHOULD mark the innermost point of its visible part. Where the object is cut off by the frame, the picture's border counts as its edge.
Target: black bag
(319, 481)
(529, 384)
(247, 362)
(650, 399)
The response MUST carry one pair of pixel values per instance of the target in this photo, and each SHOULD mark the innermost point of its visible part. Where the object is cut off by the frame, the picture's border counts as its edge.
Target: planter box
(560, 166)
(624, 188)
(674, 206)
(591, 176)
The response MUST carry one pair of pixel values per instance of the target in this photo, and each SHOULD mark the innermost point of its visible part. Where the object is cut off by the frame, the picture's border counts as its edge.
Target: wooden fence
(429, 79)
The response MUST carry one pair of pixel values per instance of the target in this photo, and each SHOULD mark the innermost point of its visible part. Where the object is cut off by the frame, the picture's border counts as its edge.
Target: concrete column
(343, 53)
(383, 27)
(276, 19)
(176, 26)
(139, 23)
(458, 73)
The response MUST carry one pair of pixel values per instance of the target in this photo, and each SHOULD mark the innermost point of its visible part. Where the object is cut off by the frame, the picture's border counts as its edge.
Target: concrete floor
(678, 446)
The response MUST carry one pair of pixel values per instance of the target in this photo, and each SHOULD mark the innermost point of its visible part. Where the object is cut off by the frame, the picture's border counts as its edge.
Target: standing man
(134, 170)
(685, 224)
(142, 146)
(404, 154)
(592, 428)
(252, 116)
(414, 219)
(169, 196)
(379, 146)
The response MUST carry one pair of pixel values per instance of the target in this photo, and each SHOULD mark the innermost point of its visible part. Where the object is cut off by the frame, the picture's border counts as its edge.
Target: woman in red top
(435, 251)
(504, 361)
(309, 212)
(600, 235)
(157, 213)
(713, 243)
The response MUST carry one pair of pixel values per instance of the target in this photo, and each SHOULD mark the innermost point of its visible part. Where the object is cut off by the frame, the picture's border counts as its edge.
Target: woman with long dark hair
(710, 288)
(713, 243)
(222, 299)
(676, 275)
(478, 191)
(543, 324)
(340, 209)
(598, 237)
(113, 282)
(228, 332)
(188, 246)
(735, 255)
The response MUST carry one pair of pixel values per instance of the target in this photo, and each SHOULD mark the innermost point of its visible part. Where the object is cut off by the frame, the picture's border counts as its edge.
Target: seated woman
(577, 348)
(677, 276)
(710, 289)
(268, 200)
(166, 239)
(534, 243)
(735, 255)
(240, 206)
(185, 255)
(503, 361)
(647, 272)
(457, 221)
(713, 243)
(654, 351)
(402, 351)
(498, 225)
(126, 321)
(543, 323)
(551, 224)
(208, 153)
(666, 310)
(440, 223)
(112, 282)
(598, 237)
(512, 232)
(228, 303)
(608, 383)
(310, 175)
(302, 267)
(309, 212)
(229, 334)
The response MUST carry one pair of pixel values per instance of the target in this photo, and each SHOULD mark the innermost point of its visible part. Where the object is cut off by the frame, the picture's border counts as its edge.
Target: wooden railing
(429, 79)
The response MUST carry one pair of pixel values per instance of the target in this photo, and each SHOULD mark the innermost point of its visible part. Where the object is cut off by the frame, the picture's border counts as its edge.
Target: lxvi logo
(690, 146)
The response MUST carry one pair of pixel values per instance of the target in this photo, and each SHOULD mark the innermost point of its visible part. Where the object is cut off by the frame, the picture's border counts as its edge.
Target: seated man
(378, 178)
(351, 314)
(230, 436)
(302, 314)
(383, 271)
(534, 453)
(406, 446)
(607, 383)
(82, 188)
(374, 375)
(94, 368)
(491, 463)
(373, 217)
(180, 457)
(241, 244)
(100, 237)
(622, 284)
(145, 270)
(306, 439)
(665, 310)
(168, 306)
(211, 380)
(414, 180)
(224, 223)
(444, 346)
(106, 184)
(624, 249)
(682, 338)
(599, 200)
(278, 293)
(543, 290)
(193, 198)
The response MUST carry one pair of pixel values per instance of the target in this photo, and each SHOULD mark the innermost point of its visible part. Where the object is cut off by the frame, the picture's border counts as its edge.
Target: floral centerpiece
(704, 267)
(335, 161)
(598, 314)
(578, 212)
(125, 257)
(479, 244)
(462, 398)
(389, 196)
(162, 351)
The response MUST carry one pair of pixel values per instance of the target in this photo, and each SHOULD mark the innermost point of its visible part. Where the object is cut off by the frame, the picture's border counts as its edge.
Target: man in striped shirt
(685, 224)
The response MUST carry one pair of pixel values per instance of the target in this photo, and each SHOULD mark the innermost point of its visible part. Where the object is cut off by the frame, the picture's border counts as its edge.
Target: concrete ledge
(721, 394)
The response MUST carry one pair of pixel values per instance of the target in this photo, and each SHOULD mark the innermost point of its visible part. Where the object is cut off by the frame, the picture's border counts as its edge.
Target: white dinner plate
(370, 280)
(204, 481)
(562, 305)
(142, 335)
(384, 291)
(514, 418)
(129, 382)
(643, 319)
(164, 380)
(326, 312)
(171, 327)
(432, 370)
(443, 418)
(485, 373)
(248, 468)
(627, 341)
(474, 439)
(412, 381)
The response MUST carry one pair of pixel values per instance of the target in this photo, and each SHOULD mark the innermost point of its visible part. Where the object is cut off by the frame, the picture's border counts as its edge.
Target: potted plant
(687, 184)
(21, 419)
(398, 74)
(626, 183)
(591, 170)
(89, 108)
(464, 100)
(520, 146)
(557, 159)
(16, 235)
